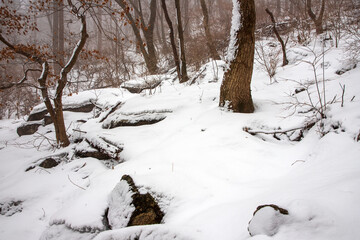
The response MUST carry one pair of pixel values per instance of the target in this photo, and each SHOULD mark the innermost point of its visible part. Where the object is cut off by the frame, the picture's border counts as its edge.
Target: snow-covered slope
(208, 174)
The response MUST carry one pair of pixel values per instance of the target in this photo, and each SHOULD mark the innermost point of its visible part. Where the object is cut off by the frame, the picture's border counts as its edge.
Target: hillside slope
(206, 172)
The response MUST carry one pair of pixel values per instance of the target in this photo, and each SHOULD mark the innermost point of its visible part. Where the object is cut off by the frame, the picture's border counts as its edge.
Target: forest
(179, 119)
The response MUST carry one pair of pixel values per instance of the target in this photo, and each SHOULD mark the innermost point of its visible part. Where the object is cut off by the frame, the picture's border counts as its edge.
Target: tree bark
(235, 92)
(317, 20)
(61, 35)
(172, 38)
(55, 37)
(283, 47)
(213, 53)
(183, 70)
(98, 30)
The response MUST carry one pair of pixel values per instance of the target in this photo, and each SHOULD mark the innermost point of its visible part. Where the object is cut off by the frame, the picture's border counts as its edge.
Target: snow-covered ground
(207, 173)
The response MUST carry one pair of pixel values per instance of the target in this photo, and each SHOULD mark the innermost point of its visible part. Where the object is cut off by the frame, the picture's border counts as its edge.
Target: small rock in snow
(267, 220)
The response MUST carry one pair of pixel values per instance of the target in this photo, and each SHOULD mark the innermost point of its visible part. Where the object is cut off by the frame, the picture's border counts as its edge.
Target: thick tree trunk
(172, 38)
(235, 92)
(213, 53)
(317, 20)
(283, 47)
(183, 70)
(149, 36)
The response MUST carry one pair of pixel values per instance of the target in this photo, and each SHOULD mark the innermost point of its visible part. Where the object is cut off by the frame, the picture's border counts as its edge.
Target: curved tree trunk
(283, 47)
(213, 53)
(235, 92)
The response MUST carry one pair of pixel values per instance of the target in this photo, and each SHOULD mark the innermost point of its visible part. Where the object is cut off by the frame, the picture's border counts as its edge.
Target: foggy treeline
(133, 38)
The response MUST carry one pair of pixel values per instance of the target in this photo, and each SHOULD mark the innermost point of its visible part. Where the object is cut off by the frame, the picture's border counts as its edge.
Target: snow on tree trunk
(235, 93)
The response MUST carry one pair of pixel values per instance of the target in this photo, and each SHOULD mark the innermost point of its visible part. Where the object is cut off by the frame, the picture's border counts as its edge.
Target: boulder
(49, 163)
(10, 208)
(119, 119)
(128, 207)
(37, 115)
(47, 120)
(98, 147)
(28, 128)
(40, 113)
(267, 219)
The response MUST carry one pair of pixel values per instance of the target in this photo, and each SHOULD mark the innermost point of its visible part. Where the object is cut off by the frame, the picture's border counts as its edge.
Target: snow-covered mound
(208, 168)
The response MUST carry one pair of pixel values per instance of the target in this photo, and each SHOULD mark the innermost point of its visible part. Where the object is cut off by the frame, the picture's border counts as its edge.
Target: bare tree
(183, 70)
(318, 21)
(40, 59)
(213, 53)
(283, 45)
(149, 54)
(172, 38)
(235, 92)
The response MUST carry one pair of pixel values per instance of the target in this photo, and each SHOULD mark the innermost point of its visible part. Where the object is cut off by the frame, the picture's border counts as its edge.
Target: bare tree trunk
(183, 71)
(278, 7)
(61, 34)
(55, 37)
(316, 20)
(172, 38)
(98, 32)
(149, 54)
(56, 111)
(213, 53)
(185, 10)
(286, 6)
(162, 32)
(235, 92)
(283, 47)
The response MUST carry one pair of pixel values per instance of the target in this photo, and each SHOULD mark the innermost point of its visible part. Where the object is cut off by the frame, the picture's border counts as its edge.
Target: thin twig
(75, 183)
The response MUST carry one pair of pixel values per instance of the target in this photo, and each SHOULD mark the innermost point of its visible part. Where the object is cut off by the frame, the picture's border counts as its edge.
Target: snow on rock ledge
(120, 119)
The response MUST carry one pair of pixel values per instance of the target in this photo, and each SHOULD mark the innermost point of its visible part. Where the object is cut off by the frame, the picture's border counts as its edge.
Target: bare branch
(22, 81)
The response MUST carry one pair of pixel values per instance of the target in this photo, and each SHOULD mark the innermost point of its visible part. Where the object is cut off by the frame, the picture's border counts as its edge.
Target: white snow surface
(207, 173)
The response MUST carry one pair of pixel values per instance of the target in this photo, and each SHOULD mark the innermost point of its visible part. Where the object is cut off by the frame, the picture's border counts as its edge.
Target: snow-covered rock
(267, 220)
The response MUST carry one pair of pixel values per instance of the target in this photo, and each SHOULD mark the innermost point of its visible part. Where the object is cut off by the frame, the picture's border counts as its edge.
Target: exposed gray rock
(10, 208)
(345, 69)
(39, 114)
(49, 163)
(119, 119)
(28, 128)
(98, 147)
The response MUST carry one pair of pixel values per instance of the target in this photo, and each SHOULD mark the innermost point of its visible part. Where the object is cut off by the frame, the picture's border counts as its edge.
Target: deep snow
(207, 173)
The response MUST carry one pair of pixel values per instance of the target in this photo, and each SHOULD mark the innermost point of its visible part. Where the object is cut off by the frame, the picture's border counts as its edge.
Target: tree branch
(13, 84)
